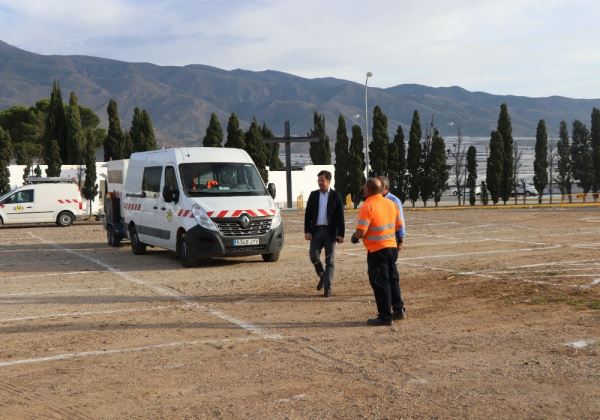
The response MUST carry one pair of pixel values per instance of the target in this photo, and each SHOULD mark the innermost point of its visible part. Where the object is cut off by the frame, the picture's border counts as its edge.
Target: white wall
(67, 171)
(303, 182)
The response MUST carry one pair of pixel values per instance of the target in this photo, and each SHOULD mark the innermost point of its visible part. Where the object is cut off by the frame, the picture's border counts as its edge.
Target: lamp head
(369, 74)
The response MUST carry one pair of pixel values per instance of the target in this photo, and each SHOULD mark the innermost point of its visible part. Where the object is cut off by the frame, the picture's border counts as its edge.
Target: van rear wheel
(65, 219)
(138, 247)
(113, 238)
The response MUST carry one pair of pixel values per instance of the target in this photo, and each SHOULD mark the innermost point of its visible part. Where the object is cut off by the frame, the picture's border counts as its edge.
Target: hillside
(181, 99)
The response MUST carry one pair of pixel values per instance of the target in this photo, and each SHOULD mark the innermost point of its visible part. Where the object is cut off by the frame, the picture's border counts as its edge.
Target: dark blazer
(335, 214)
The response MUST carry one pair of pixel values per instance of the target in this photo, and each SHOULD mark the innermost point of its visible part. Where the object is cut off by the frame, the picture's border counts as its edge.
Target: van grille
(234, 228)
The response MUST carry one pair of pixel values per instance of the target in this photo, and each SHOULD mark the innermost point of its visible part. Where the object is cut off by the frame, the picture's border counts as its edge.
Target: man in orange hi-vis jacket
(378, 221)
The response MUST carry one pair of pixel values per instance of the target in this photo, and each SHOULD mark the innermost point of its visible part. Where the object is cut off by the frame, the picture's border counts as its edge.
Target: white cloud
(524, 47)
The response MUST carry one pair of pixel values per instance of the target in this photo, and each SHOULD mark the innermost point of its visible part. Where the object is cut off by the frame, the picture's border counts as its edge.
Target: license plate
(245, 242)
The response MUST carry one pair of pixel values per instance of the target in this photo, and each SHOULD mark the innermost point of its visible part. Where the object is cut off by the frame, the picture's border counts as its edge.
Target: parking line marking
(67, 273)
(55, 292)
(88, 313)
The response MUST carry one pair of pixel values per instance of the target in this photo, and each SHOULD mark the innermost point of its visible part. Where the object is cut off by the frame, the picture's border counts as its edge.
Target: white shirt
(322, 215)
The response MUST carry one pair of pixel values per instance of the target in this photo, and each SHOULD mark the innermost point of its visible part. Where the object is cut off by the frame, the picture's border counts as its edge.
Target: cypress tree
(214, 133)
(113, 144)
(438, 166)
(581, 154)
(90, 189)
(148, 132)
(356, 165)
(564, 163)
(55, 127)
(397, 165)
(256, 149)
(540, 163)
(54, 161)
(127, 145)
(5, 157)
(505, 131)
(426, 173)
(136, 133)
(378, 147)
(472, 173)
(413, 158)
(235, 136)
(271, 149)
(342, 159)
(75, 137)
(320, 152)
(494, 172)
(595, 133)
(484, 194)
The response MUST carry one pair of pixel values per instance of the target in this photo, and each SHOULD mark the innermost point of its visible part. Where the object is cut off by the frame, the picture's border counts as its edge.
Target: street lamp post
(369, 74)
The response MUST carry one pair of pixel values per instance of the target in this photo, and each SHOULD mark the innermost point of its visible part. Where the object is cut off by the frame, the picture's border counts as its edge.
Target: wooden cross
(288, 140)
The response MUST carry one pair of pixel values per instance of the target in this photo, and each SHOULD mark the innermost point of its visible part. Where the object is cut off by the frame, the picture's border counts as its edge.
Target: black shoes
(320, 284)
(399, 315)
(379, 322)
(327, 293)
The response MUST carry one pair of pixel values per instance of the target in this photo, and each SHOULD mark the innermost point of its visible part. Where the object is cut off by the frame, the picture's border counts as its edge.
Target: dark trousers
(385, 281)
(319, 241)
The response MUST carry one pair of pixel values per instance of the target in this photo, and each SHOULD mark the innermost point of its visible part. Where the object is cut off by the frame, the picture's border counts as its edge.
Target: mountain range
(180, 99)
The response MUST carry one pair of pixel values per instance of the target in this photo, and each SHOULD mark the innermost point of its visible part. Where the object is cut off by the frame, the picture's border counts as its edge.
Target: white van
(42, 200)
(199, 202)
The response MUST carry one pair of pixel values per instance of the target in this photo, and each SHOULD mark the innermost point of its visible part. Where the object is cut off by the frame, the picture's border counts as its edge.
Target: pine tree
(320, 153)
(55, 127)
(148, 132)
(54, 161)
(5, 158)
(271, 149)
(413, 158)
(484, 194)
(379, 146)
(505, 131)
(439, 167)
(235, 136)
(564, 163)
(214, 133)
(90, 189)
(581, 154)
(113, 144)
(356, 165)
(256, 149)
(397, 165)
(136, 132)
(540, 163)
(472, 173)
(494, 171)
(342, 159)
(595, 133)
(75, 137)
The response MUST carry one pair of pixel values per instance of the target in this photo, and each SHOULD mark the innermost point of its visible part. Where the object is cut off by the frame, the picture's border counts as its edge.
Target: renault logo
(245, 221)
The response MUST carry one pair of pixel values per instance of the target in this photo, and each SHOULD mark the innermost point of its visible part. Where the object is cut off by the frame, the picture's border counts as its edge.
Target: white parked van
(42, 200)
(199, 202)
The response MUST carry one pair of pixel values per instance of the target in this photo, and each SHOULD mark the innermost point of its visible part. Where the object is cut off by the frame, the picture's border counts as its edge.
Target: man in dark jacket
(324, 226)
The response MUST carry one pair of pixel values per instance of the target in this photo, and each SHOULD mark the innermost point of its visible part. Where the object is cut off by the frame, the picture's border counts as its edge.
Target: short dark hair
(374, 186)
(326, 174)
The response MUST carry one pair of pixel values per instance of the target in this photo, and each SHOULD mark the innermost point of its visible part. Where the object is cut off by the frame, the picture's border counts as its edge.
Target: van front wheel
(65, 219)
(138, 247)
(270, 257)
(183, 251)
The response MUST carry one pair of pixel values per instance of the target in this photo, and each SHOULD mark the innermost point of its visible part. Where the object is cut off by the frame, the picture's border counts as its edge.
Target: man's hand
(354, 239)
(307, 236)
(399, 246)
(339, 239)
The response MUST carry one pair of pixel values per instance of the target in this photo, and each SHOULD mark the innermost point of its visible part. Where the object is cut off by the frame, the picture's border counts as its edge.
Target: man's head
(372, 187)
(385, 182)
(324, 180)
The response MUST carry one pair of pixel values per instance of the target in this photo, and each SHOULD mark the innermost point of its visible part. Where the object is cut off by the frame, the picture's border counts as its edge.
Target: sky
(520, 47)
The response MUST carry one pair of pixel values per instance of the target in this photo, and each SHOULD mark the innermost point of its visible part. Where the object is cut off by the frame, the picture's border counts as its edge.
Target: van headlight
(203, 219)
(276, 221)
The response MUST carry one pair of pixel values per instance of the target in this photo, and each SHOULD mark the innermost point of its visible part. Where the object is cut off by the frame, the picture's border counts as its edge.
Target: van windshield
(220, 178)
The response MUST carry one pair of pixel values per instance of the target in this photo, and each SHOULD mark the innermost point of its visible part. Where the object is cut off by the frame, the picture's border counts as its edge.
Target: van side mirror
(272, 190)
(170, 195)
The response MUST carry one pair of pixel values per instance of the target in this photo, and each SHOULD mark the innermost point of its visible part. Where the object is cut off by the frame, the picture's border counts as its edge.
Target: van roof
(196, 154)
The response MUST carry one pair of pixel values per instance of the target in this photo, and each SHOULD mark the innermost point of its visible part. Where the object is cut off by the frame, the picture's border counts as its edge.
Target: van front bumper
(206, 243)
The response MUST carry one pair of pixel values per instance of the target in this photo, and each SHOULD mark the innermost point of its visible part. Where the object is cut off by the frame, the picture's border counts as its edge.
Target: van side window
(25, 196)
(151, 181)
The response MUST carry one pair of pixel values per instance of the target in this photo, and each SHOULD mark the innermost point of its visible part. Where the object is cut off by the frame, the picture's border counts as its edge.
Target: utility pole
(288, 140)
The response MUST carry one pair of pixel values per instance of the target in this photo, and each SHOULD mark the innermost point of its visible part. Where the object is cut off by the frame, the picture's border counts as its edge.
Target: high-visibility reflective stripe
(381, 228)
(379, 238)
(363, 223)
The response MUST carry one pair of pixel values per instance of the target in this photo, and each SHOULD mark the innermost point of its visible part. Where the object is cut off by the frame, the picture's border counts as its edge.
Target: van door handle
(163, 208)
(155, 207)
(29, 207)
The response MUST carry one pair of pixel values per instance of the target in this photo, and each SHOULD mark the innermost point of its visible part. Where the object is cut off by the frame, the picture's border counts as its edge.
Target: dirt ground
(503, 321)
